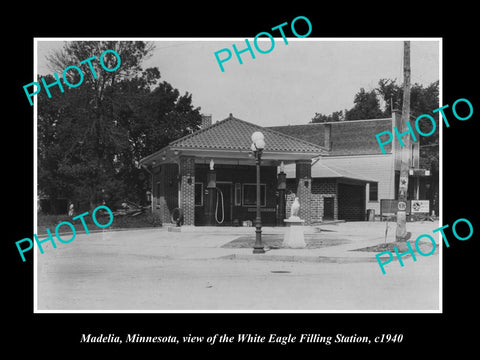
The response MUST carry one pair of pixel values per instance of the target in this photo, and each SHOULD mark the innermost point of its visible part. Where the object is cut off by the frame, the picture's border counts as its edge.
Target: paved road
(159, 270)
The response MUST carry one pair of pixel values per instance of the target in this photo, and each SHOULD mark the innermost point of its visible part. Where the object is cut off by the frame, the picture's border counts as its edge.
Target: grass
(119, 222)
(425, 247)
(274, 241)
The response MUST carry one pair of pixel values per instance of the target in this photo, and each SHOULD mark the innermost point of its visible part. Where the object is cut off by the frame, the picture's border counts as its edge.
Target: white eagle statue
(295, 208)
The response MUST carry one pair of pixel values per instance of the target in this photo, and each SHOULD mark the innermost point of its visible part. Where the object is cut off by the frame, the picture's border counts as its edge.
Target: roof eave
(242, 153)
(154, 156)
(171, 154)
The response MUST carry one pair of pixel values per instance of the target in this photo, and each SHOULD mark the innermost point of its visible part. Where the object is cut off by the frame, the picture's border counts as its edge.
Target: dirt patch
(425, 247)
(275, 241)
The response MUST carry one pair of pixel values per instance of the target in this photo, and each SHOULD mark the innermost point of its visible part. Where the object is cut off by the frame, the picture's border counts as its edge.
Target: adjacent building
(355, 176)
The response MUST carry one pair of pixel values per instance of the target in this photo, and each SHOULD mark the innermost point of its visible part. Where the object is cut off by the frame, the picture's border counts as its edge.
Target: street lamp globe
(257, 135)
(258, 140)
(260, 144)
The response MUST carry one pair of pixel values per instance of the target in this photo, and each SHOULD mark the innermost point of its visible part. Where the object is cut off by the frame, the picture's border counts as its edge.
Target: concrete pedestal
(294, 237)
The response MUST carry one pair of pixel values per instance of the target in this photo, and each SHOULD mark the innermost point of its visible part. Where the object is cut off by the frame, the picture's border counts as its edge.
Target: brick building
(211, 175)
(337, 170)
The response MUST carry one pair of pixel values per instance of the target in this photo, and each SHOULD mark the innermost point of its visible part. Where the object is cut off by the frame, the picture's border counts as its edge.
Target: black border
(423, 333)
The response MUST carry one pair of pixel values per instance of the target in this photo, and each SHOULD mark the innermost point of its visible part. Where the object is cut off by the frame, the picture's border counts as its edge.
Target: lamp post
(258, 144)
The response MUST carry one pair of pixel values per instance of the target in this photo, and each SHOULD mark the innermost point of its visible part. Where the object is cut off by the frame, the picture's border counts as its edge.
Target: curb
(298, 258)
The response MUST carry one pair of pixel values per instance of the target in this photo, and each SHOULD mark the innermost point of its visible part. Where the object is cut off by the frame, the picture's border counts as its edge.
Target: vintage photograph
(266, 174)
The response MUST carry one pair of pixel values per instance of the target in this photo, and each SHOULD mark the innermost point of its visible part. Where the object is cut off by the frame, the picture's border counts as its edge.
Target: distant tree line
(367, 103)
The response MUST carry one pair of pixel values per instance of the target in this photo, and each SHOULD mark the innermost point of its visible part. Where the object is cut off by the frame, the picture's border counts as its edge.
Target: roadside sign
(420, 206)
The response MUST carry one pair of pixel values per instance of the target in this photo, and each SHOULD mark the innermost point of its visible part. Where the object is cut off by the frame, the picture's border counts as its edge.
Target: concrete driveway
(158, 270)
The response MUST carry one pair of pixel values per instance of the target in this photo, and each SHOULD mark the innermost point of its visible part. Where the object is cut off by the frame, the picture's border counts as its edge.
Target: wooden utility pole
(401, 233)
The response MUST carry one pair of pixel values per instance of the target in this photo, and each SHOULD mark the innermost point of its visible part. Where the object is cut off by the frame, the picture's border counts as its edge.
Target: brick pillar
(187, 189)
(281, 188)
(160, 205)
(167, 191)
(304, 189)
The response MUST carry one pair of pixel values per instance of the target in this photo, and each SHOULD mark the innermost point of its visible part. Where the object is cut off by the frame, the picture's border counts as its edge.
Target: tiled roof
(309, 132)
(347, 137)
(235, 134)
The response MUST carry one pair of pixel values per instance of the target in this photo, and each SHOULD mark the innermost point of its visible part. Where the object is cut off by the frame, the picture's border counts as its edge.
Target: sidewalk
(206, 242)
(158, 269)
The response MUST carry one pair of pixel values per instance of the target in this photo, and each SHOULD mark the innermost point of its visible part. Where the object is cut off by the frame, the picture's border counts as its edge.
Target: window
(238, 194)
(198, 194)
(250, 195)
(373, 192)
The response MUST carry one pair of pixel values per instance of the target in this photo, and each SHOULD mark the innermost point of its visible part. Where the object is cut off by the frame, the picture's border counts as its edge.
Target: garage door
(351, 202)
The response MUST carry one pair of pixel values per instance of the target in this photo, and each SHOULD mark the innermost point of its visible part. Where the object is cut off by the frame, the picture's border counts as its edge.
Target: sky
(289, 84)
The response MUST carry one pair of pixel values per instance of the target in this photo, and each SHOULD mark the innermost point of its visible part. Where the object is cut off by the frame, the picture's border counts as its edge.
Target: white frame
(237, 201)
(369, 189)
(264, 197)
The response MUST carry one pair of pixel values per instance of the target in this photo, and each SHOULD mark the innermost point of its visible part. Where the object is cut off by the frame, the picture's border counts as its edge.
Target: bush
(143, 220)
(146, 219)
(50, 221)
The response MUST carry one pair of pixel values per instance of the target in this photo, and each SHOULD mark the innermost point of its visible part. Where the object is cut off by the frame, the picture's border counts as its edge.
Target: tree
(423, 100)
(392, 95)
(334, 116)
(91, 137)
(366, 106)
